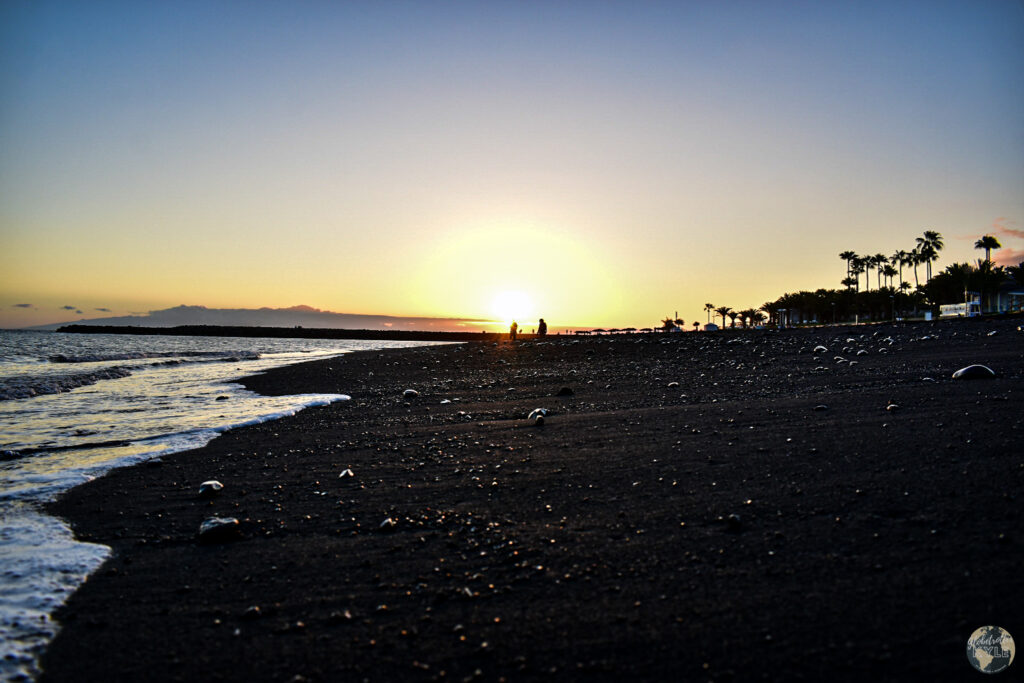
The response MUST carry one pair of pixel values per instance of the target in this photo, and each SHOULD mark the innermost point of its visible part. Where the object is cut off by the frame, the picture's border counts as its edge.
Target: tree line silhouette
(892, 296)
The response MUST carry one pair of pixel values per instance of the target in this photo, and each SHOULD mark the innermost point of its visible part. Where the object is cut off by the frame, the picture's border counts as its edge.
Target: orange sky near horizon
(601, 166)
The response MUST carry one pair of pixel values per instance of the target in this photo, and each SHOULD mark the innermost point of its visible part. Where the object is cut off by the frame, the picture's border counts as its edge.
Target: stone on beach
(565, 391)
(208, 489)
(974, 372)
(410, 393)
(219, 530)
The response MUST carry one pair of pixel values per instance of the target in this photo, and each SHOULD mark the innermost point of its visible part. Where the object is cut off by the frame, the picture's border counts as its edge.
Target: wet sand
(714, 506)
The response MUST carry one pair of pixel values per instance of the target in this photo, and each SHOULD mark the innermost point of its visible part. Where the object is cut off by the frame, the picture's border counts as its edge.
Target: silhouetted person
(542, 328)
(512, 330)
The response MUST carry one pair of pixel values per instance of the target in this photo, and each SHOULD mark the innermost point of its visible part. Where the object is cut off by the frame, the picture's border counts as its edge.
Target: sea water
(73, 406)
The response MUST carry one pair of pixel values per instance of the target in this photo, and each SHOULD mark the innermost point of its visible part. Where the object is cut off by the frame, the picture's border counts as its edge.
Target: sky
(595, 163)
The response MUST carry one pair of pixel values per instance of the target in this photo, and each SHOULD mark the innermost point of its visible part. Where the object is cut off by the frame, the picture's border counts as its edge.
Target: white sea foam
(37, 385)
(135, 398)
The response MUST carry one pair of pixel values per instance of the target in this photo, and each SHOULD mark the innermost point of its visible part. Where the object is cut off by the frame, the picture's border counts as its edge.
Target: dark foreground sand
(867, 544)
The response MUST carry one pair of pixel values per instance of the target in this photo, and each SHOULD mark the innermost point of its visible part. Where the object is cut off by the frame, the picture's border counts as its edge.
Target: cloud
(1008, 257)
(69, 308)
(103, 310)
(22, 306)
(1000, 228)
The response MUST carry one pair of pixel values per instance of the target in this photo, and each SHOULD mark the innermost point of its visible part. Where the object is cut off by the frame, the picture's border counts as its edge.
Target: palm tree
(732, 318)
(877, 262)
(723, 311)
(915, 260)
(988, 243)
(862, 264)
(848, 256)
(889, 272)
(900, 259)
(929, 247)
(696, 325)
(709, 308)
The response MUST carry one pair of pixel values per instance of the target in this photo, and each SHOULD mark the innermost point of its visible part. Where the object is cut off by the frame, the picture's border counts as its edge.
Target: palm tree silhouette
(915, 260)
(709, 308)
(900, 259)
(879, 260)
(862, 264)
(732, 318)
(889, 272)
(848, 256)
(988, 243)
(929, 247)
(723, 311)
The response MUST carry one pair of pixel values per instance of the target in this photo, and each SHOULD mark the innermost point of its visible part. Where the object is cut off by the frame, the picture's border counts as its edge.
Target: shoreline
(599, 545)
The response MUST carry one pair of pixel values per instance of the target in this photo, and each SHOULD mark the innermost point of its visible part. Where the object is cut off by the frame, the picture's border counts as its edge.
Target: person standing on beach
(542, 328)
(512, 330)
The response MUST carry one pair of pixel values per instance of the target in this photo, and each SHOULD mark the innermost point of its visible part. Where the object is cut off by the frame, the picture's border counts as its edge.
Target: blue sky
(613, 161)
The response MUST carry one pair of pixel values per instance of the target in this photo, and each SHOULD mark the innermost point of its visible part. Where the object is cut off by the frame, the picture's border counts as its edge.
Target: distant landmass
(296, 316)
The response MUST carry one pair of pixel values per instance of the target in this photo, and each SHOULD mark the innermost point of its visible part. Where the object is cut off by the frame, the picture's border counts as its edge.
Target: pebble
(820, 349)
(821, 406)
(410, 393)
(565, 391)
(252, 612)
(537, 412)
(219, 530)
(974, 372)
(673, 385)
(389, 524)
(346, 473)
(733, 523)
(208, 489)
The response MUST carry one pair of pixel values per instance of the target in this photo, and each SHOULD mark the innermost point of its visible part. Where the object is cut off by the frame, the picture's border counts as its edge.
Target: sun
(509, 305)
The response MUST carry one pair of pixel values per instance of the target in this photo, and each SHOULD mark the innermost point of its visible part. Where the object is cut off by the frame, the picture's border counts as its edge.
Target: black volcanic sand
(765, 518)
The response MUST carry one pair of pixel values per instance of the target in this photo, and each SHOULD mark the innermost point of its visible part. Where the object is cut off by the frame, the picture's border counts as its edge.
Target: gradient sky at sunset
(612, 162)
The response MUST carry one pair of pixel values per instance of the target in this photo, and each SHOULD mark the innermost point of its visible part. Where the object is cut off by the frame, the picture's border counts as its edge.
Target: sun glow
(497, 271)
(509, 305)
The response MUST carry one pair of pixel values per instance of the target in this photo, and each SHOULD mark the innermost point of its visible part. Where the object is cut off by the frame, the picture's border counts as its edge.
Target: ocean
(74, 406)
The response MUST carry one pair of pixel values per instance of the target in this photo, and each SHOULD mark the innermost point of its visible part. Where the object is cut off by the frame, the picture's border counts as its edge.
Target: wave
(138, 355)
(27, 386)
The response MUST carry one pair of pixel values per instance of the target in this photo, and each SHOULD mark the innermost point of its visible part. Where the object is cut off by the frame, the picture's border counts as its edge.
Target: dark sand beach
(714, 506)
